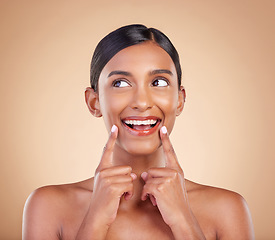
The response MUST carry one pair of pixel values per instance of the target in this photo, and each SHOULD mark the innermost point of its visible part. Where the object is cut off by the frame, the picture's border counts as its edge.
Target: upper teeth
(138, 122)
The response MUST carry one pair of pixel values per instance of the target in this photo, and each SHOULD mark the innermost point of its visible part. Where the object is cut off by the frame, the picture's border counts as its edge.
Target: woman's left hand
(166, 189)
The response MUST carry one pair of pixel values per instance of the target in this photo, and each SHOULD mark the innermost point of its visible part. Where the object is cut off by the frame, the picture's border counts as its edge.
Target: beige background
(225, 136)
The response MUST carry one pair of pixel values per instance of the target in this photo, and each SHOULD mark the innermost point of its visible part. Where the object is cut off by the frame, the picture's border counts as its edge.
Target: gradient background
(225, 136)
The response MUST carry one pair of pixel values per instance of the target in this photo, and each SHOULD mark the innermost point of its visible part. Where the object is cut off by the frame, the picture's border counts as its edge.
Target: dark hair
(124, 37)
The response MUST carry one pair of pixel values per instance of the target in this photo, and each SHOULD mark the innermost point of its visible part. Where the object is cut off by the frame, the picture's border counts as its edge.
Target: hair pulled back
(124, 37)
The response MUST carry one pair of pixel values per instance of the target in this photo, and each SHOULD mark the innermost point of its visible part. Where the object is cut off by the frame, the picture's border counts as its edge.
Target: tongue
(141, 127)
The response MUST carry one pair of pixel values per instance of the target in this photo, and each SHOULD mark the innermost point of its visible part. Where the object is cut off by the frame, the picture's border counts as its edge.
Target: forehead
(143, 57)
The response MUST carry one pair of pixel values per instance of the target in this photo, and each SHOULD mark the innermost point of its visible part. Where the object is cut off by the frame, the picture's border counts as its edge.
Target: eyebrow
(119, 73)
(159, 71)
(154, 72)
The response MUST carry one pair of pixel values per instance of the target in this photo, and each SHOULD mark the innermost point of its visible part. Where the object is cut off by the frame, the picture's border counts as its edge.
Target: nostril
(142, 100)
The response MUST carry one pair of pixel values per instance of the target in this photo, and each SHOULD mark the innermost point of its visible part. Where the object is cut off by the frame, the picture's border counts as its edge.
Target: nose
(142, 100)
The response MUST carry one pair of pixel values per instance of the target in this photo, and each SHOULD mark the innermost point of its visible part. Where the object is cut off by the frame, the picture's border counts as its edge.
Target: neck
(139, 163)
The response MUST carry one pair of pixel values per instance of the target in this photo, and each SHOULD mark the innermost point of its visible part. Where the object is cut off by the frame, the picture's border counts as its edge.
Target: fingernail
(114, 128)
(144, 175)
(164, 130)
(133, 175)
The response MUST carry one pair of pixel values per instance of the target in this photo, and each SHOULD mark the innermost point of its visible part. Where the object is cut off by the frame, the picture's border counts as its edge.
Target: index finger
(106, 158)
(171, 160)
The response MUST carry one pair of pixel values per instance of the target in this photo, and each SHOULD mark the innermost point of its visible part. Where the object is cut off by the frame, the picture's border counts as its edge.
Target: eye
(120, 84)
(160, 83)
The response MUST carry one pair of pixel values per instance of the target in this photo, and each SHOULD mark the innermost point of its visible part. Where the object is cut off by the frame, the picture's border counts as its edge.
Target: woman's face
(138, 92)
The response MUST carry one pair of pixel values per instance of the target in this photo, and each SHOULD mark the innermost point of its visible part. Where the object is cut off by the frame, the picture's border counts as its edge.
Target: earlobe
(181, 100)
(92, 101)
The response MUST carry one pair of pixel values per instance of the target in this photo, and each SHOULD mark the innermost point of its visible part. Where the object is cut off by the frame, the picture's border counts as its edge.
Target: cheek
(168, 104)
(111, 107)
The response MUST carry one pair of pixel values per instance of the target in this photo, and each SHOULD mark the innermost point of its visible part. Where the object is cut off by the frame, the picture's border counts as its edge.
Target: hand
(166, 189)
(110, 183)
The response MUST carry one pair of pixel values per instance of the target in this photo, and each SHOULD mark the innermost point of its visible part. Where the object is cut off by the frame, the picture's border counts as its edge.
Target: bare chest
(148, 227)
(139, 226)
(136, 225)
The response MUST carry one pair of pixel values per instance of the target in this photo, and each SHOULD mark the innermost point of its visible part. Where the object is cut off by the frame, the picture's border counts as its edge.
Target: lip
(141, 132)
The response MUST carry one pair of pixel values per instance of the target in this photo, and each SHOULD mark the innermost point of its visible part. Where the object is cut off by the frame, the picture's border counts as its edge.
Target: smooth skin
(139, 190)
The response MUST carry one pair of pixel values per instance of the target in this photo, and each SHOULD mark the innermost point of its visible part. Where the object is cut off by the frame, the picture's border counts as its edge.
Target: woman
(139, 190)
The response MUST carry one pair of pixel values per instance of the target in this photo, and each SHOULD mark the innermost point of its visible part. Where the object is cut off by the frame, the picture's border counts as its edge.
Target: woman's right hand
(110, 184)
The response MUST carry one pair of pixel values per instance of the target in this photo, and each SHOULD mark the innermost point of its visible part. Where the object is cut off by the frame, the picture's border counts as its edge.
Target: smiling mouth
(141, 126)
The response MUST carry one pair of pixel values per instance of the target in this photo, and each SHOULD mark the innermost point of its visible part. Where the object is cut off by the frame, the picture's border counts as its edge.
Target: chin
(142, 148)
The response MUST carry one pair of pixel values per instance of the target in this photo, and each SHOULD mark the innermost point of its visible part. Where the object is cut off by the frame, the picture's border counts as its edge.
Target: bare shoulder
(52, 206)
(227, 211)
(54, 195)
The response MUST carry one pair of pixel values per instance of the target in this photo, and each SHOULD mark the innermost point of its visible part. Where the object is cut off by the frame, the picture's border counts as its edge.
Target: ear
(92, 101)
(181, 100)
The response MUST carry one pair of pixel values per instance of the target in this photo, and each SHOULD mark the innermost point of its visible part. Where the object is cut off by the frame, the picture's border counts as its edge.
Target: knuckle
(175, 174)
(179, 176)
(107, 181)
(160, 188)
(151, 171)
(130, 179)
(111, 190)
(102, 174)
(127, 168)
(127, 179)
(168, 180)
